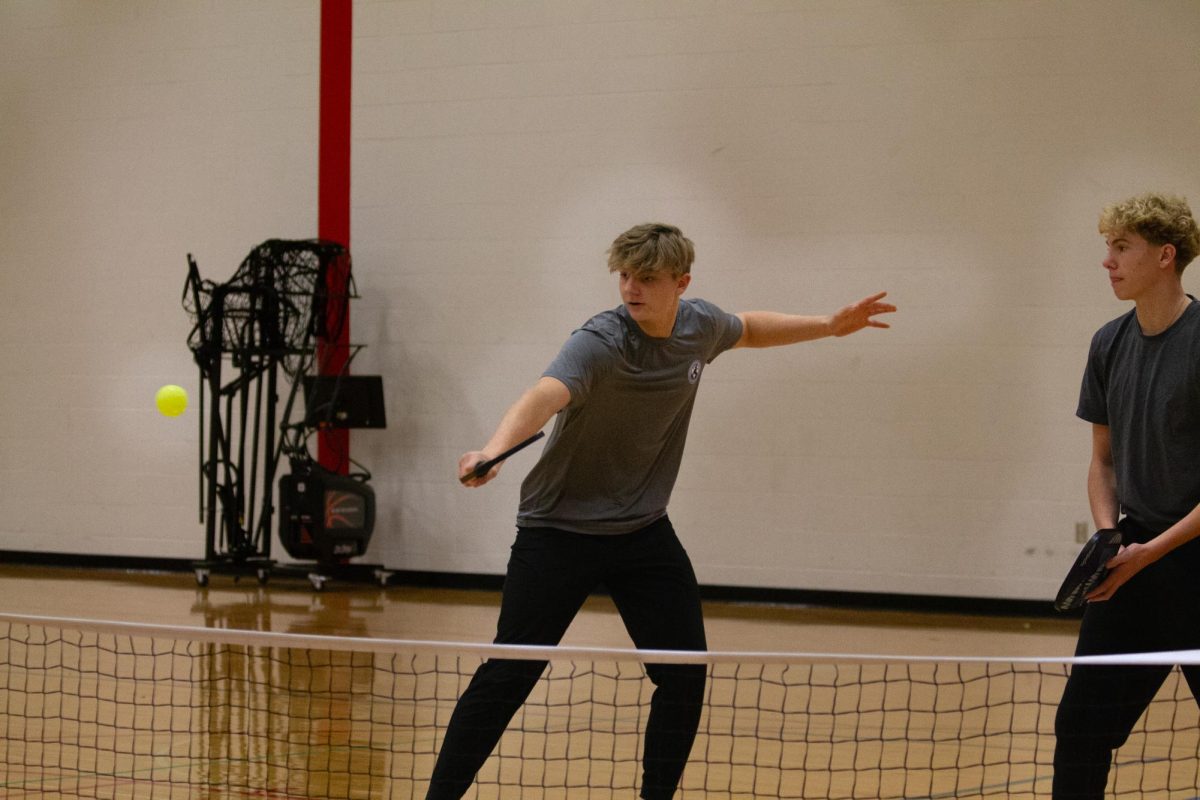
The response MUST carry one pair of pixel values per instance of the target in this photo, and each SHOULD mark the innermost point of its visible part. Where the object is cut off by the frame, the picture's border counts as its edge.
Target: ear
(682, 284)
(1166, 256)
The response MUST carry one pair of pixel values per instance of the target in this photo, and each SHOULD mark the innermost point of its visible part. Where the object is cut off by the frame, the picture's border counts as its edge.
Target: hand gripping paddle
(1088, 569)
(484, 467)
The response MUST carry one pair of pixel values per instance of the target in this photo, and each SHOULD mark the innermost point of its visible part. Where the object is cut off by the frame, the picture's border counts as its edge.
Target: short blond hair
(1159, 219)
(652, 248)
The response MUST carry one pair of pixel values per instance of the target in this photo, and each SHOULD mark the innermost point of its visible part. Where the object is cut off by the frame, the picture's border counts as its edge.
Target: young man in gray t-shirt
(1141, 394)
(593, 509)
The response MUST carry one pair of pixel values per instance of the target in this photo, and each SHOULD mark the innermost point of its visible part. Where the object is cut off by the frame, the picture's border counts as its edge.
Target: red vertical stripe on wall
(333, 203)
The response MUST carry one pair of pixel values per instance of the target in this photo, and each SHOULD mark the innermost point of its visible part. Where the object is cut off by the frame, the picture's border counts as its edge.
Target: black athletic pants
(550, 574)
(1157, 610)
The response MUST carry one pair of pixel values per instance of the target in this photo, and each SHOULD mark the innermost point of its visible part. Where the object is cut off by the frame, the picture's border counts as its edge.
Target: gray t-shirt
(1146, 389)
(613, 456)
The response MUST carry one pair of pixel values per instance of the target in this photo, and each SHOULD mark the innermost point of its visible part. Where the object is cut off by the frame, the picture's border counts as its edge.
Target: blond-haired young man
(1141, 393)
(593, 510)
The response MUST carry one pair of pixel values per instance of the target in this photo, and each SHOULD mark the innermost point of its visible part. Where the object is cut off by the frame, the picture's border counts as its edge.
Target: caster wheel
(202, 577)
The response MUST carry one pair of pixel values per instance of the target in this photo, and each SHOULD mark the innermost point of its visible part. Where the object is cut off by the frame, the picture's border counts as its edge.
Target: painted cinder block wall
(954, 154)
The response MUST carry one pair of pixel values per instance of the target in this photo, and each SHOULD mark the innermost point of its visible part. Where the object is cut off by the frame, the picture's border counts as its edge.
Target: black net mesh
(90, 713)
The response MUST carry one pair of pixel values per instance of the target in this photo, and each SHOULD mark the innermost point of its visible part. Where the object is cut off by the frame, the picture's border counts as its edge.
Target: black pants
(1157, 610)
(550, 574)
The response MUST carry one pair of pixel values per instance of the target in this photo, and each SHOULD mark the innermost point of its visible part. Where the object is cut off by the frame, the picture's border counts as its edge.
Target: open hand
(861, 315)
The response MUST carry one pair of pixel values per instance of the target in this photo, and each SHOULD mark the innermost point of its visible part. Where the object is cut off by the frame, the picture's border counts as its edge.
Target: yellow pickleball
(171, 400)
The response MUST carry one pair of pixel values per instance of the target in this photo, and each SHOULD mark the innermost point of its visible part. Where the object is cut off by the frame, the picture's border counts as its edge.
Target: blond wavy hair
(652, 248)
(1159, 219)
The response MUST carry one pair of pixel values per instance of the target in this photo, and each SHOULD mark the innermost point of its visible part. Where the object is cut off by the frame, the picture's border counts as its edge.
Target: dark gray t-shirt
(1146, 389)
(613, 456)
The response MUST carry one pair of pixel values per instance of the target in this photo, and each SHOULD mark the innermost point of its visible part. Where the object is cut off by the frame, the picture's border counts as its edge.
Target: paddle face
(1088, 569)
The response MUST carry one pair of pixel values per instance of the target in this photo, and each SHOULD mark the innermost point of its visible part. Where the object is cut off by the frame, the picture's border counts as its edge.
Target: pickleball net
(120, 710)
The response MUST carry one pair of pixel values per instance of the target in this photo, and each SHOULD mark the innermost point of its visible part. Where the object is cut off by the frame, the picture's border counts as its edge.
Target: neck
(660, 328)
(1157, 314)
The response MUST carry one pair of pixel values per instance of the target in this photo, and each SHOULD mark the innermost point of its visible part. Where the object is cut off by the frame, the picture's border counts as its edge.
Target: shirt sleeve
(1093, 400)
(726, 328)
(581, 361)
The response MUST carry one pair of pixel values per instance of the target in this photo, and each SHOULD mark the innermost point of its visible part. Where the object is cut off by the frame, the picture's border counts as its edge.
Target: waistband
(1132, 531)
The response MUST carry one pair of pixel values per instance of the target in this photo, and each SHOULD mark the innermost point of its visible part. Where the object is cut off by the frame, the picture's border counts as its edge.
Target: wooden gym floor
(397, 612)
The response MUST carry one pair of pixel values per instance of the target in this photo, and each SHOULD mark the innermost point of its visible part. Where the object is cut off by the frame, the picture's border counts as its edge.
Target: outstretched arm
(526, 417)
(771, 329)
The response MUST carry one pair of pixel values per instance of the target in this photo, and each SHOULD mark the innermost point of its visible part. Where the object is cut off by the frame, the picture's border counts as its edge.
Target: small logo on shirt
(694, 371)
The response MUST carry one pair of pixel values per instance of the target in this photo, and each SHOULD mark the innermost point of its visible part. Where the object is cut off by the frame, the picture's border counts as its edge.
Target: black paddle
(1088, 569)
